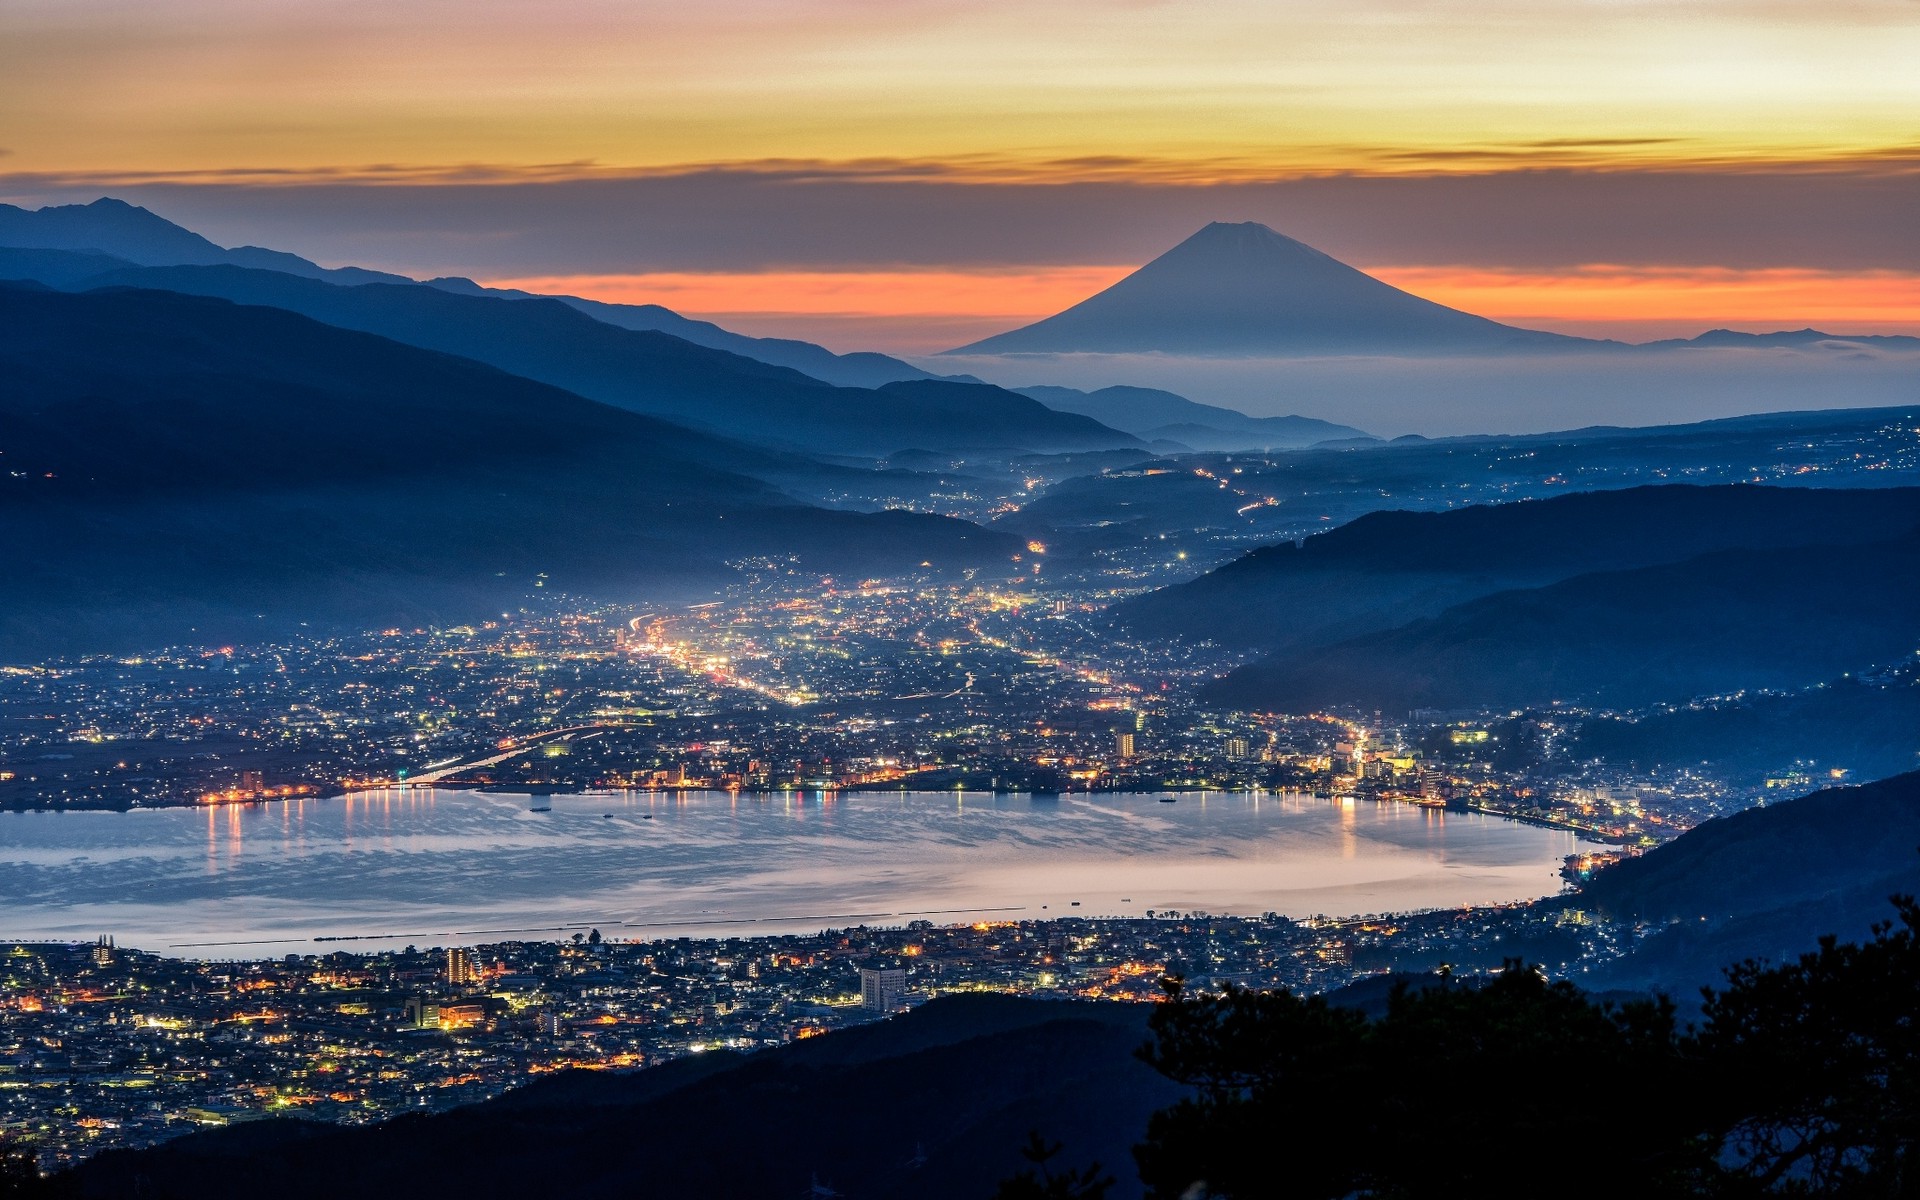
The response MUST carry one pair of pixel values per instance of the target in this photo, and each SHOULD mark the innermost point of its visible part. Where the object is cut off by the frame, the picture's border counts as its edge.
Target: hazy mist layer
(1460, 395)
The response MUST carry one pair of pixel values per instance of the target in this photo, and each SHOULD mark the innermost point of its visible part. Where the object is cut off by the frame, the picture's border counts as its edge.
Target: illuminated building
(1123, 745)
(1236, 748)
(882, 987)
(460, 968)
(462, 1016)
(103, 951)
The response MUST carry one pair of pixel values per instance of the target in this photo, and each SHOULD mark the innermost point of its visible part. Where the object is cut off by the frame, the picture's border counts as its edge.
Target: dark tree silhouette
(1804, 1080)
(1819, 1060)
(1040, 1182)
(1494, 1088)
(20, 1177)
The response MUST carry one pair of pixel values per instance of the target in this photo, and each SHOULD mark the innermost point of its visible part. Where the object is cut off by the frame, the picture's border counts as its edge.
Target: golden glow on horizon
(262, 92)
(990, 293)
(1601, 299)
(1221, 87)
(885, 307)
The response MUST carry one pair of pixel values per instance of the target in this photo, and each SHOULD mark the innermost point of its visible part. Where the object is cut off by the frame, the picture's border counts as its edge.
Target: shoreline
(1582, 832)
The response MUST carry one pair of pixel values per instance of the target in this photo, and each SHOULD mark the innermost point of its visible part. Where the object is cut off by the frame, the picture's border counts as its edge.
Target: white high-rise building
(882, 988)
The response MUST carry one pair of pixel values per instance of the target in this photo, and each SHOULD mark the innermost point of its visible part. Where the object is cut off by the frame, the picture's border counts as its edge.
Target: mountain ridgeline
(642, 357)
(132, 236)
(722, 1123)
(1731, 621)
(1764, 884)
(136, 237)
(1242, 289)
(651, 372)
(1161, 416)
(1868, 725)
(180, 467)
(858, 369)
(1630, 596)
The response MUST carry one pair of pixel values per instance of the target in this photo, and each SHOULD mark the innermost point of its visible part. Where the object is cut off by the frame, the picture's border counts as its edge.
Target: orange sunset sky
(908, 174)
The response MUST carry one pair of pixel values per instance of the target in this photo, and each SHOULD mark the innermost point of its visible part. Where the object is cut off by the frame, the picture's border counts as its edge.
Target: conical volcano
(1245, 290)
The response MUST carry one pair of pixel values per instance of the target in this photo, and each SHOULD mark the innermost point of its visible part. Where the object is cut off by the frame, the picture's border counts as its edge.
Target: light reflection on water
(435, 867)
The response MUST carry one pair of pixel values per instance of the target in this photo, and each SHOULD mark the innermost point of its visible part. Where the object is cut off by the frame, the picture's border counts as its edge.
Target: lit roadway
(520, 746)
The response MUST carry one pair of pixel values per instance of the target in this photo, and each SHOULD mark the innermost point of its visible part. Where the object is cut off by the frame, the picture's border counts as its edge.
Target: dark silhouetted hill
(1768, 858)
(1245, 290)
(859, 369)
(932, 1105)
(140, 237)
(1765, 883)
(55, 268)
(1798, 339)
(650, 372)
(180, 467)
(1867, 728)
(1387, 568)
(1152, 414)
(1723, 622)
(106, 226)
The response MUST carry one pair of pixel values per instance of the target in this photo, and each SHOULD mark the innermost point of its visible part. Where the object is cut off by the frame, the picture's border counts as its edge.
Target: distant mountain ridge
(1154, 414)
(1868, 727)
(1327, 290)
(1387, 568)
(143, 238)
(1792, 338)
(1725, 622)
(186, 469)
(1621, 597)
(646, 371)
(56, 268)
(858, 369)
(1243, 289)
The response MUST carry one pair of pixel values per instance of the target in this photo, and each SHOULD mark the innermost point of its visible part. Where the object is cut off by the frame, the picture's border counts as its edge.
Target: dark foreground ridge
(935, 1104)
(1764, 883)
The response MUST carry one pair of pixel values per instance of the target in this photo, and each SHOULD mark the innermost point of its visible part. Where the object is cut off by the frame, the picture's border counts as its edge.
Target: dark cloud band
(867, 215)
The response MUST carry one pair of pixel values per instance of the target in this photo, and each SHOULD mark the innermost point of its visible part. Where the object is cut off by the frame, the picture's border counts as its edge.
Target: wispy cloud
(1661, 155)
(1596, 143)
(1271, 87)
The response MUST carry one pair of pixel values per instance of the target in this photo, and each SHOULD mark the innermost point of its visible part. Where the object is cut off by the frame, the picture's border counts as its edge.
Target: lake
(379, 870)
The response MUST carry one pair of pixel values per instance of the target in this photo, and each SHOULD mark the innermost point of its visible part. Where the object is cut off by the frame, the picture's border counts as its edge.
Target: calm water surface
(383, 869)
